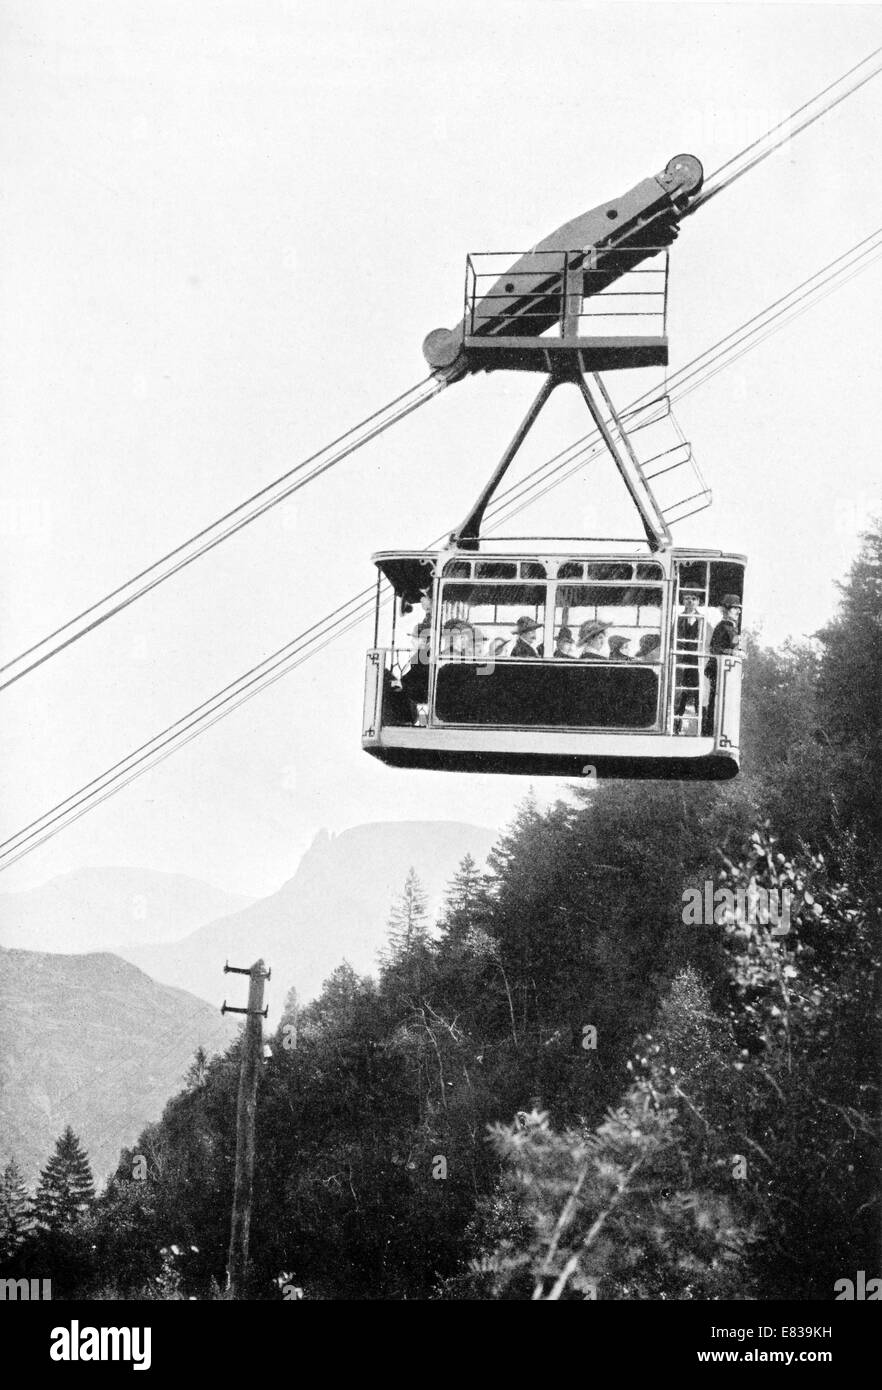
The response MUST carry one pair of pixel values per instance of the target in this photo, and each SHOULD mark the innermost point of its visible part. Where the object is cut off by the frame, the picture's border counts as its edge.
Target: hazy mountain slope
(91, 1041)
(335, 906)
(94, 909)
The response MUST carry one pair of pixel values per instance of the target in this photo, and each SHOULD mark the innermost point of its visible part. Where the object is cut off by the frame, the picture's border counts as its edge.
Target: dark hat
(565, 635)
(456, 625)
(730, 601)
(647, 642)
(617, 641)
(525, 625)
(592, 628)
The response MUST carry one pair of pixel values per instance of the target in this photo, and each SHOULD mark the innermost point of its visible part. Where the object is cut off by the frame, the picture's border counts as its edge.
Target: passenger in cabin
(690, 632)
(415, 680)
(689, 624)
(649, 647)
(725, 638)
(565, 646)
(458, 640)
(526, 633)
(471, 641)
(618, 645)
(591, 635)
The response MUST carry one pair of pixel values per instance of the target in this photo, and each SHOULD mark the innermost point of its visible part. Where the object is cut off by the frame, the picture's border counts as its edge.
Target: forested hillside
(90, 1041)
(575, 1087)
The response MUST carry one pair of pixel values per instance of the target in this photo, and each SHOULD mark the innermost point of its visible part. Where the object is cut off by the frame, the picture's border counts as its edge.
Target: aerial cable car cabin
(565, 656)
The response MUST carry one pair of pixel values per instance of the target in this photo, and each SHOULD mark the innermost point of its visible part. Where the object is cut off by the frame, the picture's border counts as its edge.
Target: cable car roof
(410, 572)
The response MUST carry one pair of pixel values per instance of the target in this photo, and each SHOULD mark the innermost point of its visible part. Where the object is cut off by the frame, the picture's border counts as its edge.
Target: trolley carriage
(488, 711)
(589, 298)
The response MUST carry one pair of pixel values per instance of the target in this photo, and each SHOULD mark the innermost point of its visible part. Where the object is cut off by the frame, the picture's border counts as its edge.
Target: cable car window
(650, 572)
(571, 570)
(692, 574)
(531, 569)
(493, 619)
(615, 622)
(726, 578)
(609, 571)
(458, 569)
(615, 596)
(496, 569)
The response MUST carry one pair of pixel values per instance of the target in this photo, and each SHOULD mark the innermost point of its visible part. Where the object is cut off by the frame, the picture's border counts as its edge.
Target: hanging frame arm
(466, 534)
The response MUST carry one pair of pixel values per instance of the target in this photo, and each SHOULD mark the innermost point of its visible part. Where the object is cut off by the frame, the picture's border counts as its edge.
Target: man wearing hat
(525, 630)
(617, 644)
(724, 639)
(690, 633)
(591, 639)
(566, 647)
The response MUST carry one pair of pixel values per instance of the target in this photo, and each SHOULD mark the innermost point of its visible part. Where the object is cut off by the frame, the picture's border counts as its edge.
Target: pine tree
(408, 927)
(466, 899)
(16, 1219)
(197, 1072)
(66, 1190)
(851, 668)
(848, 689)
(291, 1007)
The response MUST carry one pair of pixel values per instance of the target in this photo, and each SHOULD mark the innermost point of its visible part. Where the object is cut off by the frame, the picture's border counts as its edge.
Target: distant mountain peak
(336, 906)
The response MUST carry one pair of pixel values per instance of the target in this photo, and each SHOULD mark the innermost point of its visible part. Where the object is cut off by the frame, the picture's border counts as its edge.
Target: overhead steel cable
(199, 712)
(217, 531)
(593, 446)
(808, 289)
(787, 129)
(351, 613)
(165, 747)
(205, 540)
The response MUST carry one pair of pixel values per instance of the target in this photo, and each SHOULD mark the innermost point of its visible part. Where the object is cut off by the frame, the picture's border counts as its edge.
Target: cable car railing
(690, 698)
(571, 296)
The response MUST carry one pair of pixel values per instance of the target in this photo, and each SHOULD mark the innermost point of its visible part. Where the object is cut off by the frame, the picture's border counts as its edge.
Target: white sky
(225, 230)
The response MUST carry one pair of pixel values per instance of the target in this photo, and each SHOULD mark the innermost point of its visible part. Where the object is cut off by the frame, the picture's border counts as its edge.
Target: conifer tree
(197, 1071)
(66, 1189)
(16, 1219)
(849, 683)
(851, 668)
(466, 898)
(408, 927)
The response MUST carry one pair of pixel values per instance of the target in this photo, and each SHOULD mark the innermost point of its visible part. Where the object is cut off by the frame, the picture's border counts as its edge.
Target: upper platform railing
(568, 303)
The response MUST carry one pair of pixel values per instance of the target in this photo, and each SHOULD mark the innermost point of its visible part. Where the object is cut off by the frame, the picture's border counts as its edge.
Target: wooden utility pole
(237, 1263)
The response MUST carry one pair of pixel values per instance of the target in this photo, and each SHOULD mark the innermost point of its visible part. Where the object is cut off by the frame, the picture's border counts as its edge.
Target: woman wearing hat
(591, 635)
(617, 644)
(649, 647)
(565, 647)
(724, 639)
(525, 631)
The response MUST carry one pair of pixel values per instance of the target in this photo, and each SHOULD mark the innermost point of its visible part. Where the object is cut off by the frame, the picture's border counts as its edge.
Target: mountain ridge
(91, 909)
(92, 1041)
(334, 907)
